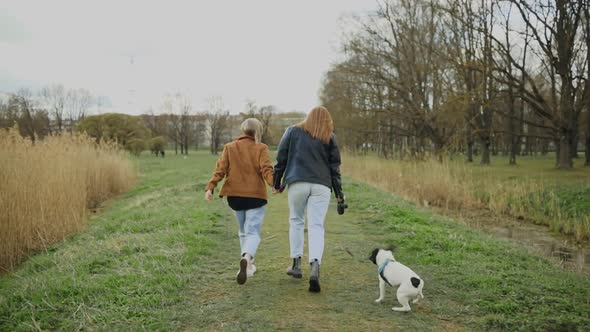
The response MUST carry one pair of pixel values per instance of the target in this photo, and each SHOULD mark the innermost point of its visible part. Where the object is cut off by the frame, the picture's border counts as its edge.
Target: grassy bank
(46, 188)
(161, 258)
(534, 189)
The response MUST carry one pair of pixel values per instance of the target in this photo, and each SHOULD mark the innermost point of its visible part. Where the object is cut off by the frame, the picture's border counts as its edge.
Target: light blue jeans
(250, 222)
(316, 199)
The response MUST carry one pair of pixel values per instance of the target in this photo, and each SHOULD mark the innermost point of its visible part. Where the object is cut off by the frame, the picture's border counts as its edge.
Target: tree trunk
(587, 145)
(513, 148)
(438, 150)
(544, 147)
(557, 151)
(494, 146)
(565, 154)
(469, 141)
(567, 129)
(512, 129)
(574, 142)
(485, 151)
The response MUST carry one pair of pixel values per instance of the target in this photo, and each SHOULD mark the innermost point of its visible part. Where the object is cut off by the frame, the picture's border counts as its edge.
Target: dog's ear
(373, 256)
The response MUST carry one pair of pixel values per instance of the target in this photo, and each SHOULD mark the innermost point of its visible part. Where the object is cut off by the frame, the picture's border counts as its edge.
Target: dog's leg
(381, 290)
(419, 297)
(403, 299)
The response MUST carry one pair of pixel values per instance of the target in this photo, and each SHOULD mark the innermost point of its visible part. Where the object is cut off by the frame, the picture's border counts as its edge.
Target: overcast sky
(135, 52)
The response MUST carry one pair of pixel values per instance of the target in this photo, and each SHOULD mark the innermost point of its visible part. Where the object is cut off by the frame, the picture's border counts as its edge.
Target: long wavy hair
(318, 123)
(252, 127)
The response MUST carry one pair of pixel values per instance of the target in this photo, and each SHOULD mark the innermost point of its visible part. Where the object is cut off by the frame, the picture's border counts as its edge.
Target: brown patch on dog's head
(373, 256)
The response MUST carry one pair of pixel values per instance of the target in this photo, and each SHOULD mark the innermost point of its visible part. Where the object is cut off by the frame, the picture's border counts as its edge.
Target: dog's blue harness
(382, 268)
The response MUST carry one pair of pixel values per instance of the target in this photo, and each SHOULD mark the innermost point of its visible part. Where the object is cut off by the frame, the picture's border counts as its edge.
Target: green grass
(161, 258)
(482, 282)
(564, 202)
(533, 168)
(572, 187)
(533, 190)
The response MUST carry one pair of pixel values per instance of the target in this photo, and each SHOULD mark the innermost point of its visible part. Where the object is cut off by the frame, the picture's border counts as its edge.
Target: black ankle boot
(295, 269)
(314, 277)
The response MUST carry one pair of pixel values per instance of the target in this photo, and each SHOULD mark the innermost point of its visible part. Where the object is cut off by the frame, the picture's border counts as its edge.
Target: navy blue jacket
(303, 158)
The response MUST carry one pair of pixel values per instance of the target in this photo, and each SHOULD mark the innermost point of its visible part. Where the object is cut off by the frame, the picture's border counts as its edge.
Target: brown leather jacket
(245, 165)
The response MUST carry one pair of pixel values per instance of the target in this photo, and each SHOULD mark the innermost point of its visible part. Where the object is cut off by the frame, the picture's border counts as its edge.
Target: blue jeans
(250, 222)
(316, 199)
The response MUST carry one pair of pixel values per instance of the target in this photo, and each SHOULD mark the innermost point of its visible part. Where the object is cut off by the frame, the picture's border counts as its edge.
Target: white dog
(394, 273)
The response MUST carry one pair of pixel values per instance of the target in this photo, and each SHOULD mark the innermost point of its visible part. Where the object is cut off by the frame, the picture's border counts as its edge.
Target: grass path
(272, 300)
(161, 258)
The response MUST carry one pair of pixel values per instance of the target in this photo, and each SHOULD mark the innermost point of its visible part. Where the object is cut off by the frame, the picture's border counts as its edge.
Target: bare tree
(445, 75)
(32, 121)
(511, 103)
(587, 41)
(54, 98)
(77, 104)
(184, 106)
(199, 129)
(401, 81)
(172, 121)
(218, 123)
(554, 27)
(264, 114)
(155, 123)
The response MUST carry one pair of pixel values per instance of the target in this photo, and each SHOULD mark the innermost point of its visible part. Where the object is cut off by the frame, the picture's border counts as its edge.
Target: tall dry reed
(428, 183)
(46, 188)
(455, 186)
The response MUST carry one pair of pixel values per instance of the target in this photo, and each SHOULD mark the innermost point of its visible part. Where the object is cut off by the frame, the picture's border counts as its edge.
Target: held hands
(276, 191)
(209, 195)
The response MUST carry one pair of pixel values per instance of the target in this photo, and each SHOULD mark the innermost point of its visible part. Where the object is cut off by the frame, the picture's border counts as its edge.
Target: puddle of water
(560, 249)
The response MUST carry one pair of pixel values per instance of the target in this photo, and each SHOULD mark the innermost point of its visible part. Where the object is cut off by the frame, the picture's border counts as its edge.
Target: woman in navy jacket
(308, 163)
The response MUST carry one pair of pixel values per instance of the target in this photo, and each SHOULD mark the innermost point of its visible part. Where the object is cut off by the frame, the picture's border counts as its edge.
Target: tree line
(50, 110)
(215, 126)
(174, 124)
(465, 77)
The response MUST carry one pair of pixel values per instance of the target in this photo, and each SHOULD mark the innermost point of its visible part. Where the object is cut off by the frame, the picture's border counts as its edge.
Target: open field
(534, 168)
(46, 188)
(532, 190)
(161, 258)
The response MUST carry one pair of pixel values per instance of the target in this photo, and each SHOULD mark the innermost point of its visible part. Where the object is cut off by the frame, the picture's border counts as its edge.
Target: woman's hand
(275, 191)
(209, 195)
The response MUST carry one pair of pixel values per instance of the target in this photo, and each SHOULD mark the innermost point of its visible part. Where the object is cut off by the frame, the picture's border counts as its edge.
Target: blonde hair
(252, 127)
(318, 123)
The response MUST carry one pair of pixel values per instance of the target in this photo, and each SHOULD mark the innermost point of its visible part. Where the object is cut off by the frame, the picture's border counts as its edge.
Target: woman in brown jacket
(245, 165)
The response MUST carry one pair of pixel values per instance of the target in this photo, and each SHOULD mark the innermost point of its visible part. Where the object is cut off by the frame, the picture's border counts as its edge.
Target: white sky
(271, 51)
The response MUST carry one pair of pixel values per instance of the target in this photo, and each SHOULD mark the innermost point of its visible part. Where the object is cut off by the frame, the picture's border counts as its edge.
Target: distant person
(245, 164)
(308, 162)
